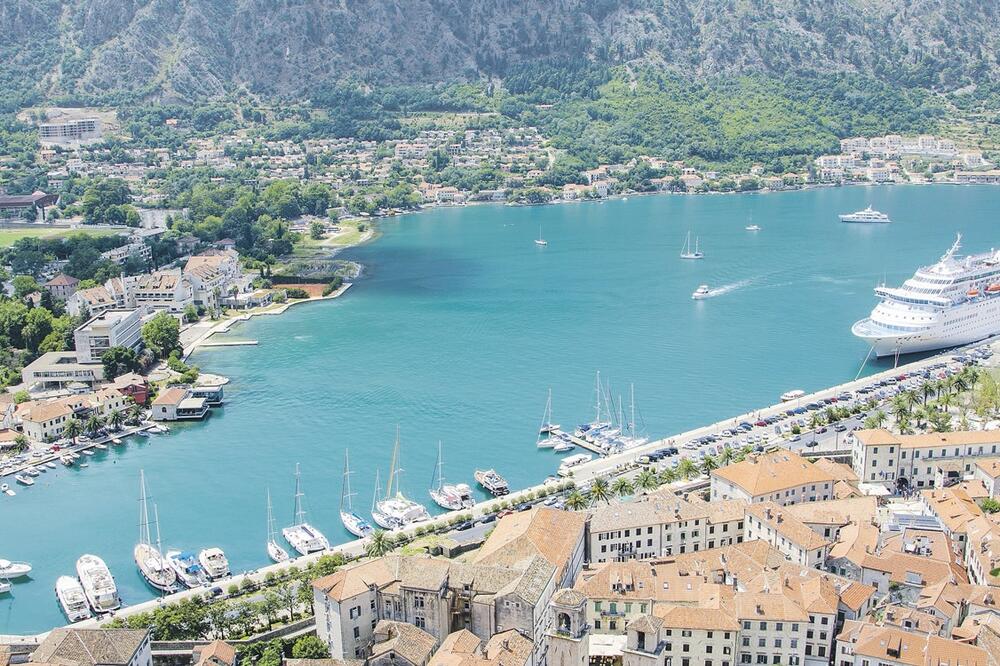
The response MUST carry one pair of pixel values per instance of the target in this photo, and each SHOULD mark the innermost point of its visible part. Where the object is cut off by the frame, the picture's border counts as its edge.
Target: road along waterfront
(457, 332)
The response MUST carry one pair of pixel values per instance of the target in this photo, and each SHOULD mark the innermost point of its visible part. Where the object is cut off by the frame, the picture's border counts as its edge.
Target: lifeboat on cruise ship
(993, 288)
(972, 292)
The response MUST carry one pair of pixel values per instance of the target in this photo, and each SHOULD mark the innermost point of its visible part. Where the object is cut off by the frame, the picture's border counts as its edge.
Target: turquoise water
(457, 332)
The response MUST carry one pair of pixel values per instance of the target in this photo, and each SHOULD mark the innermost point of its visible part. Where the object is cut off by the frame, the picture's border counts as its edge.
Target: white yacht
(954, 302)
(867, 216)
(352, 521)
(72, 599)
(572, 461)
(540, 240)
(794, 394)
(24, 479)
(451, 496)
(396, 510)
(12, 570)
(214, 562)
(688, 253)
(98, 584)
(495, 484)
(147, 554)
(187, 567)
(274, 549)
(701, 293)
(547, 427)
(5, 586)
(302, 536)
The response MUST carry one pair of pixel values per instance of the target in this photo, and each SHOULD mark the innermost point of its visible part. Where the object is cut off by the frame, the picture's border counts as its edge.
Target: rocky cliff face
(187, 49)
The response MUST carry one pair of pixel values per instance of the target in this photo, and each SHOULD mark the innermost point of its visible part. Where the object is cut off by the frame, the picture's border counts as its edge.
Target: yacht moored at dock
(867, 216)
(148, 557)
(953, 302)
(396, 510)
(302, 536)
(274, 549)
(794, 394)
(98, 584)
(72, 599)
(453, 497)
(189, 571)
(492, 482)
(12, 570)
(353, 522)
(214, 562)
(572, 461)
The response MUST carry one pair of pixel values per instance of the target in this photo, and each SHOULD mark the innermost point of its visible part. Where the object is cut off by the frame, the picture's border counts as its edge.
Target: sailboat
(686, 252)
(148, 557)
(353, 522)
(396, 510)
(589, 430)
(302, 536)
(540, 240)
(752, 226)
(547, 427)
(452, 497)
(274, 550)
(633, 440)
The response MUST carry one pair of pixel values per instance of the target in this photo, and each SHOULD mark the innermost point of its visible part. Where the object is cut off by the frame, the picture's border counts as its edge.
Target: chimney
(760, 609)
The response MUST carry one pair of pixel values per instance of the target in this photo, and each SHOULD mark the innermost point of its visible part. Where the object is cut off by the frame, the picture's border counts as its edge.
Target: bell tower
(569, 632)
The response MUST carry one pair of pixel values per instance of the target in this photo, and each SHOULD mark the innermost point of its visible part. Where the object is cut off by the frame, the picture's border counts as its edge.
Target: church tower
(569, 633)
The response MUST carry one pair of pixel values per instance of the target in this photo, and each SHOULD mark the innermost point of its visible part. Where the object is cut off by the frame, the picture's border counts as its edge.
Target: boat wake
(726, 288)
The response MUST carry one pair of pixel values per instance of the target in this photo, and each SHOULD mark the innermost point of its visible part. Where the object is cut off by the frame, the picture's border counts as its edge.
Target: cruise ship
(954, 302)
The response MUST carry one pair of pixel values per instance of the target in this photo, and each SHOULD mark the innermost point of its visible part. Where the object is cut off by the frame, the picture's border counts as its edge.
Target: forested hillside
(169, 50)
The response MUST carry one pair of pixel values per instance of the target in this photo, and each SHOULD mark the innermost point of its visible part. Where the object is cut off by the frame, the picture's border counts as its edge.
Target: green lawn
(10, 236)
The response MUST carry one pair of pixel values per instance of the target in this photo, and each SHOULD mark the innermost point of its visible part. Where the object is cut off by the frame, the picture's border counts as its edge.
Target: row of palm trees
(915, 409)
(93, 424)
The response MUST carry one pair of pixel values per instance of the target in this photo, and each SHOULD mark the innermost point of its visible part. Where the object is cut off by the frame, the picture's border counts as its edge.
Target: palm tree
(909, 398)
(815, 420)
(927, 388)
(708, 463)
(899, 407)
(94, 424)
(622, 487)
(875, 420)
(903, 424)
(687, 469)
(599, 491)
(134, 413)
(726, 456)
(576, 501)
(668, 475)
(116, 418)
(73, 429)
(20, 443)
(646, 480)
(379, 545)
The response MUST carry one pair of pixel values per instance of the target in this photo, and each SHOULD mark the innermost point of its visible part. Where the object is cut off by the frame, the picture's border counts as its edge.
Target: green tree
(687, 469)
(270, 604)
(20, 442)
(576, 501)
(37, 325)
(316, 230)
(161, 334)
(622, 487)
(990, 505)
(599, 491)
(708, 464)
(73, 429)
(310, 647)
(379, 544)
(190, 313)
(24, 285)
(115, 419)
(119, 360)
(646, 480)
(668, 475)
(93, 424)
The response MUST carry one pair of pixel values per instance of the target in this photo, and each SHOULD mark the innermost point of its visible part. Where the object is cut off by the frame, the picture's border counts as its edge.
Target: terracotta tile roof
(688, 617)
(405, 640)
(787, 525)
(218, 651)
(772, 472)
(838, 471)
(508, 648)
(763, 606)
(990, 466)
(926, 440)
(892, 644)
(835, 512)
(550, 533)
(95, 296)
(911, 619)
(62, 280)
(90, 647)
(855, 541)
(900, 566)
(953, 507)
(46, 411)
(855, 595)
(171, 396)
(653, 509)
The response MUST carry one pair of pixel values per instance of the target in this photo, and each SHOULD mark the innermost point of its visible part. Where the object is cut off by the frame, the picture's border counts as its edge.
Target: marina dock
(231, 343)
(582, 443)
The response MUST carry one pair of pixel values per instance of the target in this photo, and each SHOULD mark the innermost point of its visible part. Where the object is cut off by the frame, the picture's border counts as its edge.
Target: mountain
(183, 50)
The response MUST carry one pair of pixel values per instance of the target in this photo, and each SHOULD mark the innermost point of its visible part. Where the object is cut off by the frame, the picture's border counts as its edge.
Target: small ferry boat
(98, 584)
(867, 216)
(24, 479)
(453, 497)
(214, 562)
(274, 549)
(494, 484)
(688, 253)
(701, 293)
(12, 570)
(302, 536)
(794, 394)
(189, 571)
(72, 599)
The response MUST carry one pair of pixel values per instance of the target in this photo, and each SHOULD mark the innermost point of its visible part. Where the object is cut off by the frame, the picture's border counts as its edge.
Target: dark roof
(25, 200)
(91, 646)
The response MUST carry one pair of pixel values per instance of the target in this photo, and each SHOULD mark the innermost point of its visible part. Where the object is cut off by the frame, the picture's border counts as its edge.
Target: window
(686, 633)
(597, 624)
(795, 626)
(824, 620)
(357, 633)
(763, 626)
(780, 626)
(761, 642)
(777, 642)
(355, 612)
(708, 649)
(419, 622)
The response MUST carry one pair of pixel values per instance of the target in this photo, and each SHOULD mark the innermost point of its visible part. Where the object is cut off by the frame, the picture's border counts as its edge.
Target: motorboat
(563, 445)
(6, 490)
(453, 497)
(492, 482)
(14, 570)
(98, 584)
(274, 549)
(72, 599)
(302, 536)
(32, 471)
(350, 518)
(702, 292)
(5, 586)
(189, 571)
(867, 216)
(752, 227)
(50, 465)
(214, 562)
(24, 479)
(794, 394)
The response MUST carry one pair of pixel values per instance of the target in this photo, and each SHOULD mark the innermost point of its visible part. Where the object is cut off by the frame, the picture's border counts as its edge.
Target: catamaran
(72, 599)
(302, 536)
(687, 253)
(353, 522)
(274, 551)
(547, 427)
(187, 567)
(396, 510)
(447, 496)
(98, 584)
(148, 557)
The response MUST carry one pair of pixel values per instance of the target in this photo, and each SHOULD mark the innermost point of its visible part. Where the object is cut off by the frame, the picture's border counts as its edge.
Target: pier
(231, 343)
(582, 443)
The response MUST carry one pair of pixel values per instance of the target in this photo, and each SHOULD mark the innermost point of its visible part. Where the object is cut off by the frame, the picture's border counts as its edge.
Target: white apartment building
(772, 629)
(69, 131)
(111, 328)
(783, 477)
(794, 539)
(910, 461)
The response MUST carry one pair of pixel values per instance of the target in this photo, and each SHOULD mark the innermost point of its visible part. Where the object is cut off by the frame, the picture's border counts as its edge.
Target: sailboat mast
(156, 519)
(392, 468)
(440, 467)
(143, 511)
(299, 512)
(632, 401)
(347, 494)
(597, 419)
(378, 482)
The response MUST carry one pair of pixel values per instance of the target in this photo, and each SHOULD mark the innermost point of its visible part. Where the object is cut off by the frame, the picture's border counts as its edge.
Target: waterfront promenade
(611, 466)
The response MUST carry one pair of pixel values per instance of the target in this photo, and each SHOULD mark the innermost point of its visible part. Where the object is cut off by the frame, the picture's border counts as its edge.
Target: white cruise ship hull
(957, 330)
